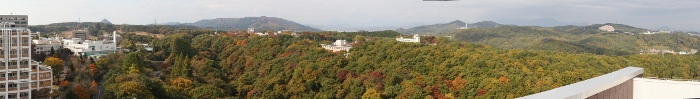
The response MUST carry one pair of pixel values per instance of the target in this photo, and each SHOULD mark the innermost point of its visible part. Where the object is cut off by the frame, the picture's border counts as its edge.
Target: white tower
(114, 36)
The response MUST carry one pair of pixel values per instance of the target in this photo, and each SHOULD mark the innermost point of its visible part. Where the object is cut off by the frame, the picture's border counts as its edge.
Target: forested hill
(444, 29)
(284, 66)
(259, 23)
(578, 39)
(435, 29)
(485, 24)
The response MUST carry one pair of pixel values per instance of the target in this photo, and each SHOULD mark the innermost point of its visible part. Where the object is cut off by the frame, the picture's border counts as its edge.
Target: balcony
(23, 77)
(24, 66)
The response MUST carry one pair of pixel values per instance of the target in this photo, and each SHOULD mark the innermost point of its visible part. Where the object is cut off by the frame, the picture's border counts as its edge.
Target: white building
(607, 28)
(148, 48)
(88, 47)
(415, 39)
(20, 77)
(338, 45)
(46, 44)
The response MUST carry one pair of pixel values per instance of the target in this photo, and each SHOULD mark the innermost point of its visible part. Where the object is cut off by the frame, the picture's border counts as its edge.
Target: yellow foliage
(181, 83)
(371, 94)
(504, 79)
(449, 96)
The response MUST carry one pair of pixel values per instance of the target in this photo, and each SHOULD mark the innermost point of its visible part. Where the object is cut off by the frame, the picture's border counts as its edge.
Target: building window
(13, 51)
(12, 74)
(24, 85)
(2, 75)
(24, 74)
(25, 51)
(23, 94)
(11, 96)
(25, 40)
(13, 85)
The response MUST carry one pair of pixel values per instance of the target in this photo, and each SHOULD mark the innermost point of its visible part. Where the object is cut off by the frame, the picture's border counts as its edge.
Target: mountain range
(258, 23)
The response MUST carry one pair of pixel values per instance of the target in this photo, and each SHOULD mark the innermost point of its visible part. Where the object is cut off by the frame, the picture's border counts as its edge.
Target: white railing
(590, 87)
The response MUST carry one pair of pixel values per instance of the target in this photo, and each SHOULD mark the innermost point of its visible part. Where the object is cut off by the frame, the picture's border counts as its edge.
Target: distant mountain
(485, 24)
(258, 23)
(105, 21)
(433, 29)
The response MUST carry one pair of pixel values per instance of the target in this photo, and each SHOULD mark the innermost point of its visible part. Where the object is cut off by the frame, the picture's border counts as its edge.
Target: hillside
(577, 39)
(446, 28)
(485, 24)
(259, 23)
(435, 29)
(284, 66)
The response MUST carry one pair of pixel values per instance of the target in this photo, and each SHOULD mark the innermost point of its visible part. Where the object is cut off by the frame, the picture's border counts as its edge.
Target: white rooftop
(645, 88)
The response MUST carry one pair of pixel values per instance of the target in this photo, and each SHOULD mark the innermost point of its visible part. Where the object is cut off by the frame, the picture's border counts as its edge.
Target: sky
(651, 14)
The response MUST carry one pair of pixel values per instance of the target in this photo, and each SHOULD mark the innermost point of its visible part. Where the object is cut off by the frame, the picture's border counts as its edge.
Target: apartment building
(20, 77)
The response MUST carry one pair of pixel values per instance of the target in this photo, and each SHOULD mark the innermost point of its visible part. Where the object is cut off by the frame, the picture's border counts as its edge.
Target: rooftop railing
(590, 87)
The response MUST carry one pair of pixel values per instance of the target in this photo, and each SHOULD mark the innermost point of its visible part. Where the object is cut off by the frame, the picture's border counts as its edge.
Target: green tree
(207, 92)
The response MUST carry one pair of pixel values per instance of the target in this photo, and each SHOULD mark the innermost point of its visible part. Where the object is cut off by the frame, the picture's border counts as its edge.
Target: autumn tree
(55, 64)
(81, 92)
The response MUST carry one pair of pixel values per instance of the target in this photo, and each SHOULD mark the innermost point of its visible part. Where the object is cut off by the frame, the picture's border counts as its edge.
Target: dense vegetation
(285, 66)
(577, 39)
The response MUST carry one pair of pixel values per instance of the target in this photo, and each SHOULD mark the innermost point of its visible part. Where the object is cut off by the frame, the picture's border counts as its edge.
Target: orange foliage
(64, 83)
(459, 83)
(93, 69)
(81, 92)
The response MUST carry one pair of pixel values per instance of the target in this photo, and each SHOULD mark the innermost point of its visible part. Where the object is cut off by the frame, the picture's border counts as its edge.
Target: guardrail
(616, 85)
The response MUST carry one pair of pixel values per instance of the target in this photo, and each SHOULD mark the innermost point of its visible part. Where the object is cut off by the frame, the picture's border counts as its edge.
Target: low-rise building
(415, 39)
(338, 45)
(46, 44)
(89, 47)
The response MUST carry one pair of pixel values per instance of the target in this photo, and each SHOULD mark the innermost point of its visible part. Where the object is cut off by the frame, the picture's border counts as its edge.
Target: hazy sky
(680, 14)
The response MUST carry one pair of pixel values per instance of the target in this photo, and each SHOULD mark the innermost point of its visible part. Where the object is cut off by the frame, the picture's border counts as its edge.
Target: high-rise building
(20, 77)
